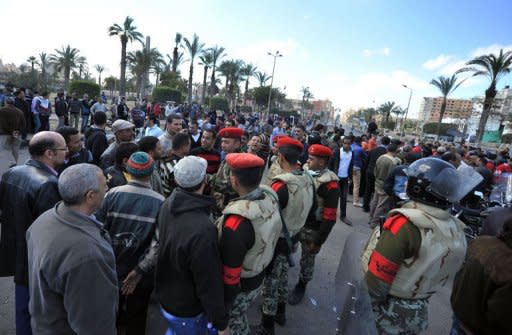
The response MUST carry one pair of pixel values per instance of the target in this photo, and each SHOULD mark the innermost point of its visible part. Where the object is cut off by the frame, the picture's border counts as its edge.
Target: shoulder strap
(286, 232)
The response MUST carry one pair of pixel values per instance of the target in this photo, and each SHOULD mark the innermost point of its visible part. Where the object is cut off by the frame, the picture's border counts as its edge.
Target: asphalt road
(315, 315)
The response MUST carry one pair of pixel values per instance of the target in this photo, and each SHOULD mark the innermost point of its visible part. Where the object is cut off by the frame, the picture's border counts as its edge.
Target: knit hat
(190, 171)
(140, 164)
(119, 125)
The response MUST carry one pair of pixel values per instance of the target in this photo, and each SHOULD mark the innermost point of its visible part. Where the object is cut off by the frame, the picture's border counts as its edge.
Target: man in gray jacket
(72, 274)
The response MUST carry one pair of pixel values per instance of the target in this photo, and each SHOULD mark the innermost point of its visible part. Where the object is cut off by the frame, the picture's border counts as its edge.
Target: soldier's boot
(280, 317)
(266, 327)
(297, 294)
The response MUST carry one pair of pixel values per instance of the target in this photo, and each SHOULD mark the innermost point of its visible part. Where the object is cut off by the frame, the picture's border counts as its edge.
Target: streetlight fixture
(275, 55)
(407, 110)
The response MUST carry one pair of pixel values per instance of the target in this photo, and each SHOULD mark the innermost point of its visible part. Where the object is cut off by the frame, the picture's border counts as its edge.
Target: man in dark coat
(26, 192)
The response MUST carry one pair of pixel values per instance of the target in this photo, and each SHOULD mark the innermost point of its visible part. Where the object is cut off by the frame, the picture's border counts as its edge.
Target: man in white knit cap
(189, 282)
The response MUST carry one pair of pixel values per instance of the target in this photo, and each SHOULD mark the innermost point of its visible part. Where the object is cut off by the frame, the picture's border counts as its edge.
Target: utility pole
(277, 54)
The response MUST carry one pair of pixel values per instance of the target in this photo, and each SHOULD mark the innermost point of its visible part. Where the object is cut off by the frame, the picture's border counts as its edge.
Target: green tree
(165, 93)
(127, 33)
(217, 54)
(260, 95)
(194, 48)
(386, 109)
(140, 63)
(248, 71)
(99, 69)
(306, 96)
(110, 84)
(262, 78)
(494, 67)
(231, 70)
(219, 103)
(32, 61)
(173, 80)
(82, 87)
(65, 60)
(206, 61)
(175, 55)
(446, 85)
(43, 63)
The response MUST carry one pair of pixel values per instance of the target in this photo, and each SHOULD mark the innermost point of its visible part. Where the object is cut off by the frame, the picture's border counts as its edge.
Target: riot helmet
(437, 183)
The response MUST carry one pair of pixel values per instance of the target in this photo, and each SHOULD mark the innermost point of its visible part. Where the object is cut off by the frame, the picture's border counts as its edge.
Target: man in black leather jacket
(26, 192)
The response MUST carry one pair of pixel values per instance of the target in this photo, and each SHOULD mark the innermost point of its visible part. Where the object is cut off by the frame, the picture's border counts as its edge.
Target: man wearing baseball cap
(123, 132)
(249, 228)
(220, 183)
(318, 226)
(189, 284)
(296, 191)
(129, 215)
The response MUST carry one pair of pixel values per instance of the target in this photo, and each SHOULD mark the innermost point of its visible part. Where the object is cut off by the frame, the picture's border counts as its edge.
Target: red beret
(244, 161)
(276, 138)
(320, 150)
(231, 132)
(288, 141)
(417, 150)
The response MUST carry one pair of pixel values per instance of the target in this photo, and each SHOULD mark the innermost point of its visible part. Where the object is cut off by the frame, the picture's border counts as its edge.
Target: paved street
(316, 315)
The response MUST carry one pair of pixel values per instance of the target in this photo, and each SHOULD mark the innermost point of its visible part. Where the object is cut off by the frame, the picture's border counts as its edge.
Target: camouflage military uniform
(401, 316)
(238, 322)
(275, 285)
(307, 265)
(274, 170)
(221, 187)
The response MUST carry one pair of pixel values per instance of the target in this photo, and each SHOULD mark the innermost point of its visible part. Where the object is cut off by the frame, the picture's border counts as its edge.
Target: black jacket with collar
(26, 192)
(334, 163)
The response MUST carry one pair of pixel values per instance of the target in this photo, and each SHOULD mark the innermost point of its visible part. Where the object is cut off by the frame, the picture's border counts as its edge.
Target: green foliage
(82, 87)
(390, 124)
(260, 95)
(245, 109)
(431, 128)
(165, 93)
(173, 80)
(507, 138)
(219, 103)
(26, 79)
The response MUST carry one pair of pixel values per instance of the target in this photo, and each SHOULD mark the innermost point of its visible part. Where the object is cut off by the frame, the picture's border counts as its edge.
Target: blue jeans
(85, 122)
(37, 123)
(197, 325)
(22, 314)
(456, 329)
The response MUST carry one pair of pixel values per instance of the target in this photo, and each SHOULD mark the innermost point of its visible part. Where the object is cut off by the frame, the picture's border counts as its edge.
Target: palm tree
(65, 59)
(179, 60)
(175, 55)
(82, 66)
(127, 33)
(397, 110)
(43, 63)
(194, 48)
(446, 85)
(231, 70)
(217, 55)
(386, 109)
(494, 67)
(206, 61)
(140, 63)
(99, 69)
(158, 68)
(262, 78)
(306, 95)
(248, 71)
(32, 60)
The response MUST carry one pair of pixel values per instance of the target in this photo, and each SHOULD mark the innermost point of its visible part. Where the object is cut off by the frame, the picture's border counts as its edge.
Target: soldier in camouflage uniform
(418, 249)
(249, 229)
(295, 190)
(220, 183)
(322, 219)
(275, 168)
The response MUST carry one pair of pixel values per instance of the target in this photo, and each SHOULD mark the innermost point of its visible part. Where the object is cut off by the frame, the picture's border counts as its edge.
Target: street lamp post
(275, 55)
(407, 110)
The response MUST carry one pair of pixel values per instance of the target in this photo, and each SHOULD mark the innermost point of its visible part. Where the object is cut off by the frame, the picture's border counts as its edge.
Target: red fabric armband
(232, 275)
(329, 214)
(382, 268)
(394, 223)
(233, 221)
(332, 185)
(277, 185)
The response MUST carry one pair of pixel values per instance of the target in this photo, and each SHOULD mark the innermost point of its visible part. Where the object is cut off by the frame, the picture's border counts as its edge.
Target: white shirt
(345, 158)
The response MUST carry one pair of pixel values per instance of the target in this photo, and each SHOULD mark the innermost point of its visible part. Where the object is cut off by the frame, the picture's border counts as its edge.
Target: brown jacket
(11, 119)
(482, 291)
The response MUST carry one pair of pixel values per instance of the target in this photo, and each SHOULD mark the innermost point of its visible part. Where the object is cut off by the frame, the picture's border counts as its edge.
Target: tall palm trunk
(191, 73)
(67, 71)
(175, 59)
(212, 83)
(122, 84)
(441, 115)
(203, 93)
(490, 94)
(99, 80)
(246, 90)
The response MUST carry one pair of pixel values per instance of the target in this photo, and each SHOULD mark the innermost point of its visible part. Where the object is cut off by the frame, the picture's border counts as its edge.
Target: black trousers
(45, 122)
(133, 310)
(368, 190)
(343, 182)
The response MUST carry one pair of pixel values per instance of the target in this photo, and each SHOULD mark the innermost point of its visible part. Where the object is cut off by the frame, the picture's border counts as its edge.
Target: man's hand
(130, 282)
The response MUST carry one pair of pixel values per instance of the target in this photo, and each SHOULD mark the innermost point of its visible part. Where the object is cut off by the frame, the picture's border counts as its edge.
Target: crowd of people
(205, 212)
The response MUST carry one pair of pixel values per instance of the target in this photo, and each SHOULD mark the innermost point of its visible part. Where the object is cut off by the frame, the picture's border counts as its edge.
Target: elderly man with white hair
(72, 269)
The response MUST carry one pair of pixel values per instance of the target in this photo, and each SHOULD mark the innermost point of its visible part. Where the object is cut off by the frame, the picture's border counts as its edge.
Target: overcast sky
(356, 53)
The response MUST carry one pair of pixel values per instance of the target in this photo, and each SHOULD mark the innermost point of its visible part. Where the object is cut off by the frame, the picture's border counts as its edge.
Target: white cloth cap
(190, 171)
